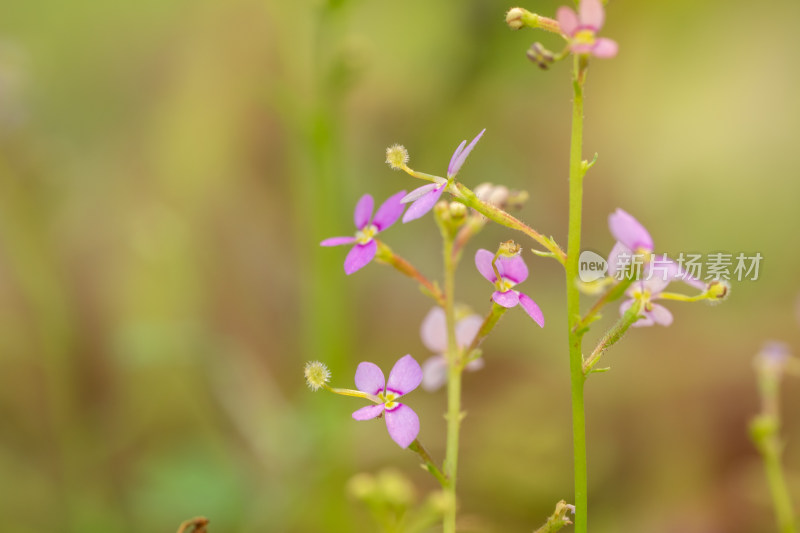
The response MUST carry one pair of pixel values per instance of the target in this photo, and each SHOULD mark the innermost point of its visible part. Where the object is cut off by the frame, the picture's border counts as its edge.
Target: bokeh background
(167, 170)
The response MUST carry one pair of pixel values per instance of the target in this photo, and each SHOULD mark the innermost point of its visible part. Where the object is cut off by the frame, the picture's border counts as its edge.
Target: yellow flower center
(584, 37)
(388, 398)
(504, 284)
(365, 235)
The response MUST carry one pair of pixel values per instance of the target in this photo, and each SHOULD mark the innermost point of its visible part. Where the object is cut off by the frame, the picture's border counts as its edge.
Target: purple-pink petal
(454, 157)
(513, 268)
(531, 308)
(629, 231)
(369, 378)
(369, 412)
(507, 299)
(605, 48)
(337, 241)
(466, 329)
(567, 20)
(460, 155)
(620, 256)
(434, 373)
(363, 211)
(360, 256)
(659, 314)
(434, 331)
(389, 211)
(424, 204)
(403, 425)
(483, 261)
(420, 192)
(591, 13)
(406, 375)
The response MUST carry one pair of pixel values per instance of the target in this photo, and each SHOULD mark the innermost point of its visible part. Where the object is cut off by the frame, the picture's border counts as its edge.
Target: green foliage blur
(168, 168)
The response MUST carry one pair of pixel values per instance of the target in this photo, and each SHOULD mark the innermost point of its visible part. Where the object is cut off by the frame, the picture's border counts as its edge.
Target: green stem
(464, 195)
(387, 256)
(613, 335)
(488, 324)
(777, 488)
(453, 385)
(428, 463)
(577, 377)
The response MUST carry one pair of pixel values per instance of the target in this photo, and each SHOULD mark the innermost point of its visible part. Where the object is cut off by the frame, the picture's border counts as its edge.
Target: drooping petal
(418, 192)
(363, 211)
(507, 299)
(433, 331)
(466, 329)
(369, 378)
(423, 204)
(620, 257)
(513, 268)
(337, 241)
(369, 412)
(360, 256)
(483, 261)
(660, 314)
(406, 375)
(403, 425)
(591, 14)
(531, 308)
(389, 211)
(567, 20)
(434, 373)
(605, 48)
(629, 231)
(459, 157)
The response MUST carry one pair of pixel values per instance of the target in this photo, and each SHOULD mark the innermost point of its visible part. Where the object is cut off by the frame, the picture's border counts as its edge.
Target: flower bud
(514, 18)
(317, 375)
(457, 210)
(718, 290)
(397, 156)
(499, 196)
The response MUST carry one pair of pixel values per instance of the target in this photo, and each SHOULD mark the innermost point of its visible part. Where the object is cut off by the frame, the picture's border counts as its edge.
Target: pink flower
(582, 28)
(425, 197)
(634, 242)
(401, 421)
(512, 270)
(365, 246)
(647, 291)
(434, 337)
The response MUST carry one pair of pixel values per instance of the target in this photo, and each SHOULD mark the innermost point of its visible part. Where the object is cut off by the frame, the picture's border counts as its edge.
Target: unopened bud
(457, 210)
(514, 18)
(540, 55)
(718, 290)
(499, 196)
(483, 191)
(397, 156)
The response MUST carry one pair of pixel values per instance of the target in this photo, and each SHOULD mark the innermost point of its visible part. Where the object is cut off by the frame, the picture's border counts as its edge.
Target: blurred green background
(167, 170)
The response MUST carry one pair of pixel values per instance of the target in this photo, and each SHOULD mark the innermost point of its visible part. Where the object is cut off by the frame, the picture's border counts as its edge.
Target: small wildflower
(425, 197)
(401, 421)
(540, 55)
(317, 375)
(365, 246)
(646, 291)
(397, 156)
(434, 336)
(511, 271)
(581, 29)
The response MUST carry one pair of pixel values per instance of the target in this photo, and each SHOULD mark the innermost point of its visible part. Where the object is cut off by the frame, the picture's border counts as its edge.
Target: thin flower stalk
(387, 256)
